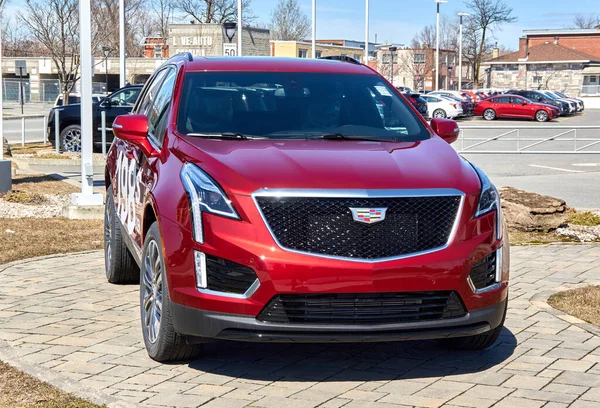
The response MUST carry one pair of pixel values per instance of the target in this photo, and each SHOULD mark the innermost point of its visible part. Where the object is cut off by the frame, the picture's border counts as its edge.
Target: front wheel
(541, 116)
(479, 341)
(161, 341)
(440, 113)
(489, 114)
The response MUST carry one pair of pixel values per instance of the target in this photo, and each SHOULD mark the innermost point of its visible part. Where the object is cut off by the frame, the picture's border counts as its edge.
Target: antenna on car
(343, 58)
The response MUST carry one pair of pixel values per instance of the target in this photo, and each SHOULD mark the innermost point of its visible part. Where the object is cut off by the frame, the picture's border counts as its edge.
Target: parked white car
(438, 107)
(457, 94)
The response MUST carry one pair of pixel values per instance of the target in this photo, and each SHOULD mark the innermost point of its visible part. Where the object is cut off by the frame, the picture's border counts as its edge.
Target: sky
(397, 21)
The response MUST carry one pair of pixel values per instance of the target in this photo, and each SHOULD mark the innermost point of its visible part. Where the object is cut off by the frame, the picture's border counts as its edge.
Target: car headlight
(204, 194)
(489, 200)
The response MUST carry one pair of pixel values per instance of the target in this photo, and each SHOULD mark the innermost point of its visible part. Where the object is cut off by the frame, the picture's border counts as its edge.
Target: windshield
(293, 105)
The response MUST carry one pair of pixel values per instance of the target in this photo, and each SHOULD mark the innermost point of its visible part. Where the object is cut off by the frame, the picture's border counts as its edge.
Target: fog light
(200, 264)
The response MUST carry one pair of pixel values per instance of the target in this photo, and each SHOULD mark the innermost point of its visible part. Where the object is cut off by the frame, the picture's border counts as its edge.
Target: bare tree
(18, 42)
(105, 23)
(288, 22)
(55, 24)
(486, 16)
(160, 10)
(586, 21)
(215, 11)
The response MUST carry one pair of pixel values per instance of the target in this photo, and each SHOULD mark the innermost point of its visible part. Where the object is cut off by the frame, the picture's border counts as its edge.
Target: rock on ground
(53, 208)
(531, 212)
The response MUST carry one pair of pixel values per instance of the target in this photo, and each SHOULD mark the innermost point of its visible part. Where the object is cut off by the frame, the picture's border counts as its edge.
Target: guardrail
(531, 140)
(23, 120)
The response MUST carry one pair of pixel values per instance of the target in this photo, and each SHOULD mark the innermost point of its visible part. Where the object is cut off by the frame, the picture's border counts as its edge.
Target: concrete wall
(566, 78)
(208, 39)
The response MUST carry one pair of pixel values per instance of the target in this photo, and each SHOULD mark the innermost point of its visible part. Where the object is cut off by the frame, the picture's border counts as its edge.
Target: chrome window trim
(393, 193)
(247, 294)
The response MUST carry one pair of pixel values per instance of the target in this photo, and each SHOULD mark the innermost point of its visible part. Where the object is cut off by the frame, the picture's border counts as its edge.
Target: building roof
(548, 52)
(563, 31)
(318, 44)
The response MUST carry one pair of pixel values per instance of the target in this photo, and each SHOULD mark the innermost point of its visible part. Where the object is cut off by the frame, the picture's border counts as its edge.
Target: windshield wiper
(342, 136)
(226, 135)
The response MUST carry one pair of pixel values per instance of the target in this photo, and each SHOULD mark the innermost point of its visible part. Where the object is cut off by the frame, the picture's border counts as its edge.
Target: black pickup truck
(118, 103)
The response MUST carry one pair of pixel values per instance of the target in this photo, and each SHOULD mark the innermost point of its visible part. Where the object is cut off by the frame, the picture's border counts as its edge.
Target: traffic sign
(230, 49)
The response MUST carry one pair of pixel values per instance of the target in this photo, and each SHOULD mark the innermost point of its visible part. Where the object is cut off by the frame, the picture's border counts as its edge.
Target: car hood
(245, 166)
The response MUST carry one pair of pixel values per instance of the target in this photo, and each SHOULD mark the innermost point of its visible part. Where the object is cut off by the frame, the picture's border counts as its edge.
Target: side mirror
(446, 129)
(134, 130)
(524, 103)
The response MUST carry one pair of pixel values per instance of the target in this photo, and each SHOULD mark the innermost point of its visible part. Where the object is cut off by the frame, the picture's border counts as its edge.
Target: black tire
(542, 116)
(439, 113)
(168, 345)
(119, 263)
(479, 341)
(489, 114)
(70, 139)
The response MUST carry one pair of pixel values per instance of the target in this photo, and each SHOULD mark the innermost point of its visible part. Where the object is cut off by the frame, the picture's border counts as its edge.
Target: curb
(10, 356)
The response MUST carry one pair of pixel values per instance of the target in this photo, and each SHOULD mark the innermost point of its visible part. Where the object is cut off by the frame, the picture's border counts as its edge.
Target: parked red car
(513, 106)
(296, 200)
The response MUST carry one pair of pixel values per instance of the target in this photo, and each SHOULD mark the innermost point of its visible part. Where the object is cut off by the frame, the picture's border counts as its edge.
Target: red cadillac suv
(291, 200)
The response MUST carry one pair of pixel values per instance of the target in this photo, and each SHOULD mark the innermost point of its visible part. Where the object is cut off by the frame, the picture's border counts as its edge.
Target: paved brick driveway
(61, 321)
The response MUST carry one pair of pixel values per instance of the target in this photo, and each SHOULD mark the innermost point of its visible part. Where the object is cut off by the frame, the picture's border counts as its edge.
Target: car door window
(126, 97)
(158, 112)
(504, 99)
(150, 93)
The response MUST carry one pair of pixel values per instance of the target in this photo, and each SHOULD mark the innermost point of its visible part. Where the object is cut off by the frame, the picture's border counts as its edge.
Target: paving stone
(571, 365)
(278, 402)
(512, 402)
(413, 400)
(544, 396)
(83, 367)
(575, 378)
(177, 400)
(592, 395)
(526, 382)
(363, 395)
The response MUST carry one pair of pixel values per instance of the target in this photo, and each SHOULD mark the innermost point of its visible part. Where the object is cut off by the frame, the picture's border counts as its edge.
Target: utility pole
(314, 28)
(366, 61)
(437, 44)
(122, 46)
(240, 28)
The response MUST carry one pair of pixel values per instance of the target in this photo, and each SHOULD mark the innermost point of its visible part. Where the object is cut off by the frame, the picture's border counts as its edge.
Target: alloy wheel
(152, 288)
(541, 116)
(489, 115)
(71, 141)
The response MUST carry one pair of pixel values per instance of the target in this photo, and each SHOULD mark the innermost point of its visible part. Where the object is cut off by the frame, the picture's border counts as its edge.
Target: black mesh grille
(362, 308)
(483, 273)
(227, 276)
(325, 225)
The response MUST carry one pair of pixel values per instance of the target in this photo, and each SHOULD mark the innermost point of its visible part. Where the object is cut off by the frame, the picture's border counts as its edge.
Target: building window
(302, 53)
(536, 79)
(344, 55)
(158, 51)
(451, 60)
(444, 60)
(318, 54)
(357, 57)
(419, 58)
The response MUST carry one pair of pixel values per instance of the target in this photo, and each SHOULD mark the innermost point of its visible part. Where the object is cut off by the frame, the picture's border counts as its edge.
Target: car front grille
(325, 225)
(227, 276)
(483, 273)
(362, 308)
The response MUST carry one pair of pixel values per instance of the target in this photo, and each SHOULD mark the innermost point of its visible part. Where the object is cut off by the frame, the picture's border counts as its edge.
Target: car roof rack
(343, 58)
(186, 55)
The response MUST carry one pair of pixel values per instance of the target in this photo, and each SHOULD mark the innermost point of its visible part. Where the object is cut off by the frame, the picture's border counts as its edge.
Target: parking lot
(571, 176)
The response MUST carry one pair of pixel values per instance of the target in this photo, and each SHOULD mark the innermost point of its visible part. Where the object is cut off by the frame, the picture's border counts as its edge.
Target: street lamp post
(460, 49)
(241, 27)
(437, 44)
(314, 28)
(122, 71)
(106, 51)
(366, 61)
(230, 28)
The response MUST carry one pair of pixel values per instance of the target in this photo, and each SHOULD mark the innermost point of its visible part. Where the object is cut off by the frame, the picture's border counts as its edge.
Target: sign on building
(230, 49)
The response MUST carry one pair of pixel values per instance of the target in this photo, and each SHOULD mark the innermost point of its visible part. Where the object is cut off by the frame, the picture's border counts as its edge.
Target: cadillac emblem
(368, 215)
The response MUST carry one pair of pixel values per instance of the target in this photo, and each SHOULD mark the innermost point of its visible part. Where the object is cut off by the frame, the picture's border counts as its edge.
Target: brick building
(564, 60)
(156, 47)
(415, 68)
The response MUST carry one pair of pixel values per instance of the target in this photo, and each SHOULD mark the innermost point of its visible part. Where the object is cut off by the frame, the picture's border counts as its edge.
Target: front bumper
(206, 324)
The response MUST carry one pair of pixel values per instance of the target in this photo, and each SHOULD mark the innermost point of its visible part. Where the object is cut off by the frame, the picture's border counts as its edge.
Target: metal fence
(49, 89)
(529, 140)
